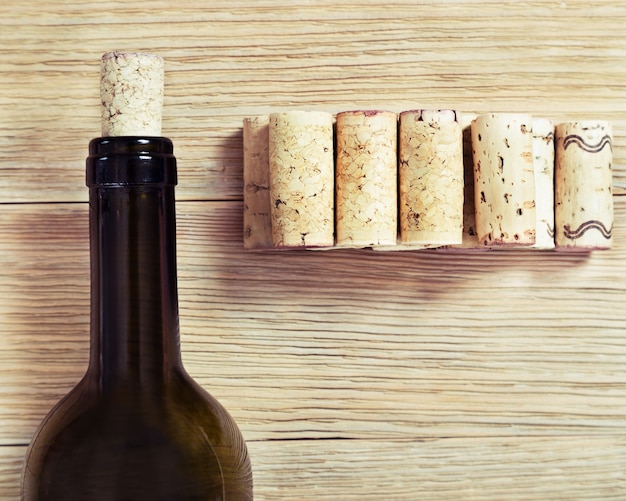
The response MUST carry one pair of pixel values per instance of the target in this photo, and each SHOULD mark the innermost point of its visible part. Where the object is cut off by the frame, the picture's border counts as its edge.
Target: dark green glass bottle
(136, 427)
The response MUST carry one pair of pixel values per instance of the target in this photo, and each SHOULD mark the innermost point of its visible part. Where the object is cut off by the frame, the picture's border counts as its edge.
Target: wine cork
(257, 219)
(470, 237)
(431, 178)
(131, 91)
(301, 175)
(583, 180)
(504, 180)
(366, 178)
(543, 163)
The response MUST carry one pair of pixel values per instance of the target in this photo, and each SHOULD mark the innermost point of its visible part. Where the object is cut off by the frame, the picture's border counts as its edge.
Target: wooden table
(354, 375)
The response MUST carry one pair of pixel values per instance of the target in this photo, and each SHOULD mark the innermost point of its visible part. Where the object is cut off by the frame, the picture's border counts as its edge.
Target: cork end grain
(131, 91)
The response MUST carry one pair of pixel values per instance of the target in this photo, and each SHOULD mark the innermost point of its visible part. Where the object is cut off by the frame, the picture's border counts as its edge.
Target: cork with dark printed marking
(584, 180)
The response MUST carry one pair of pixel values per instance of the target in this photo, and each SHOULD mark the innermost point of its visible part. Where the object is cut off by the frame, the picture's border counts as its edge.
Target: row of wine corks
(426, 179)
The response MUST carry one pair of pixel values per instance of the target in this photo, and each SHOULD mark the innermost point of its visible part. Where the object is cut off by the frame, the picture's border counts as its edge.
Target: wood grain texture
(419, 365)
(230, 59)
(524, 469)
(354, 375)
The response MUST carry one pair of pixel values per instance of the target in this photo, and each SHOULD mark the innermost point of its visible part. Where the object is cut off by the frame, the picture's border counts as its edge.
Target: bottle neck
(134, 302)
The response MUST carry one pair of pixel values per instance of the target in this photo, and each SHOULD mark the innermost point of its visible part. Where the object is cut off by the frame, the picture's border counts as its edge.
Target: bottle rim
(131, 160)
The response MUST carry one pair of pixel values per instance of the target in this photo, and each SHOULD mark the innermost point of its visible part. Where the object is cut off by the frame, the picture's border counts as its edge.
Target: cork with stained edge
(366, 178)
(431, 178)
(131, 91)
(583, 180)
(257, 219)
(504, 180)
(301, 179)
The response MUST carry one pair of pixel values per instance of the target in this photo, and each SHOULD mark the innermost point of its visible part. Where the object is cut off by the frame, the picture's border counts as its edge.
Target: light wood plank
(11, 461)
(349, 344)
(241, 58)
(531, 468)
(488, 468)
(353, 374)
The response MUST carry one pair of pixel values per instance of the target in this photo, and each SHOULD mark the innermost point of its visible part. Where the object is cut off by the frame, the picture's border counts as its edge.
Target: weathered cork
(504, 189)
(257, 219)
(366, 178)
(584, 180)
(543, 161)
(301, 175)
(431, 178)
(131, 91)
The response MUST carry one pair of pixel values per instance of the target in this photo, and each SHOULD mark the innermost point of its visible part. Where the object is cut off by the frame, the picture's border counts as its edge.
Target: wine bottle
(136, 427)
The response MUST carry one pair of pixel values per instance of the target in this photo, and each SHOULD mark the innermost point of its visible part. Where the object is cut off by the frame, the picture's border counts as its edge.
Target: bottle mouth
(131, 160)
